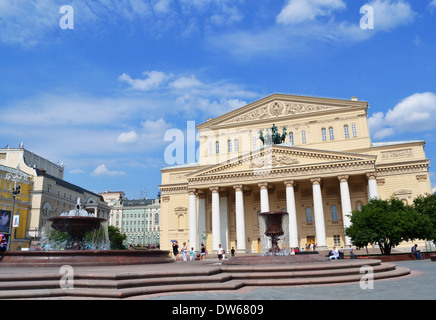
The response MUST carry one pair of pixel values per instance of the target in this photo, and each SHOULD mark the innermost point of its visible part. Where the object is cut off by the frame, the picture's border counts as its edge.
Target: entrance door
(310, 240)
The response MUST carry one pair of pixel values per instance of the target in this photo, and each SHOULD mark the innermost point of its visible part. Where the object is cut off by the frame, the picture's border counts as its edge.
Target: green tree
(116, 238)
(387, 223)
(426, 205)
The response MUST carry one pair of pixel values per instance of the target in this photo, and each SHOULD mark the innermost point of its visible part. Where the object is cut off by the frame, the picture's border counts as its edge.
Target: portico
(307, 199)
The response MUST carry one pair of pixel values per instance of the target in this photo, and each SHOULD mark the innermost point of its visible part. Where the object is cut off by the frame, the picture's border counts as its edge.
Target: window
(324, 134)
(346, 132)
(337, 240)
(331, 133)
(303, 136)
(334, 212)
(217, 147)
(236, 145)
(229, 146)
(254, 143)
(210, 147)
(291, 138)
(354, 130)
(309, 216)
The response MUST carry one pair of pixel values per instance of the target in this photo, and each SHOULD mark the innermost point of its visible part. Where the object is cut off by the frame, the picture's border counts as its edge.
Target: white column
(240, 218)
(224, 235)
(319, 214)
(292, 212)
(264, 201)
(372, 186)
(201, 218)
(216, 228)
(193, 231)
(346, 206)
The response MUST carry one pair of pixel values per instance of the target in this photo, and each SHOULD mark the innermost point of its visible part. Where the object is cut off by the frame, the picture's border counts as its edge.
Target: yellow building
(11, 178)
(326, 167)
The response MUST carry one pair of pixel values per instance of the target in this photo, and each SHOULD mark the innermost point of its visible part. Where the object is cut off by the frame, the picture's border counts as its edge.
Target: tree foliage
(387, 223)
(116, 238)
(426, 205)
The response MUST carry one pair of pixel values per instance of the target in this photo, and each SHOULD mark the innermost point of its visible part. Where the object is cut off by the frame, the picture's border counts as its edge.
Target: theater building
(325, 167)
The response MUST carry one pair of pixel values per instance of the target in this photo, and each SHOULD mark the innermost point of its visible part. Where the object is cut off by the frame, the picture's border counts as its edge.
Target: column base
(321, 248)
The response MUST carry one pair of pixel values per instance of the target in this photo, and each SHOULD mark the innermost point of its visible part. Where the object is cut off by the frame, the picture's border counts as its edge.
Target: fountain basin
(83, 258)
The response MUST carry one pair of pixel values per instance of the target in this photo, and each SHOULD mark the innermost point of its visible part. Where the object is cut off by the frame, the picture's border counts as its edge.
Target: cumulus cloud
(102, 171)
(128, 137)
(297, 11)
(414, 114)
(153, 79)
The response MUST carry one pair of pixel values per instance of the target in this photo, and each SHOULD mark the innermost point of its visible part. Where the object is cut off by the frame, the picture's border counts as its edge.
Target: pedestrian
(334, 254)
(192, 254)
(220, 252)
(416, 252)
(175, 250)
(203, 252)
(184, 251)
(3, 242)
(232, 251)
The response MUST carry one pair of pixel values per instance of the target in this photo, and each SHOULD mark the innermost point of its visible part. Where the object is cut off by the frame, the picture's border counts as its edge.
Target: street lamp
(16, 178)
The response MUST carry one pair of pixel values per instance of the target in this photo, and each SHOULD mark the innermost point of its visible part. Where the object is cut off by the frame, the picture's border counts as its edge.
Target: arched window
(217, 147)
(229, 146)
(334, 212)
(346, 132)
(324, 134)
(309, 216)
(331, 133)
(303, 137)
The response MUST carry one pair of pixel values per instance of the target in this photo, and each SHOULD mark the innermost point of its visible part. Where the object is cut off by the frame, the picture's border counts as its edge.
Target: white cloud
(389, 14)
(297, 11)
(413, 114)
(152, 81)
(128, 137)
(102, 170)
(432, 5)
(186, 82)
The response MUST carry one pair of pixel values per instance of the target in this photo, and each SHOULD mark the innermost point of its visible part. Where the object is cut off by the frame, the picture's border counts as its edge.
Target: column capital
(263, 185)
(371, 175)
(343, 178)
(238, 187)
(289, 183)
(214, 189)
(192, 191)
(316, 181)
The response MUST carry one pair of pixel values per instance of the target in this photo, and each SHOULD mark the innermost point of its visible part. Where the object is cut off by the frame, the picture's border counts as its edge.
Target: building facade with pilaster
(326, 167)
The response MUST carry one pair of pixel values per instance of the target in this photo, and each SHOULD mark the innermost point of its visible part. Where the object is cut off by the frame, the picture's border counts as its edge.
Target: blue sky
(101, 96)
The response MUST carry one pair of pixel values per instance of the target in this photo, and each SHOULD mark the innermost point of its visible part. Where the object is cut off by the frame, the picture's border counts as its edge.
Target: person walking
(203, 252)
(192, 255)
(175, 250)
(184, 251)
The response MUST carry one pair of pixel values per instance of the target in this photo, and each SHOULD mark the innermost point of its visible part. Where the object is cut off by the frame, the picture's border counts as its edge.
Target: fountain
(273, 227)
(77, 224)
(77, 238)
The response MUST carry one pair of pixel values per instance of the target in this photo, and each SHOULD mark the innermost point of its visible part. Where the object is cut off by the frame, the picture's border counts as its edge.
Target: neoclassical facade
(326, 167)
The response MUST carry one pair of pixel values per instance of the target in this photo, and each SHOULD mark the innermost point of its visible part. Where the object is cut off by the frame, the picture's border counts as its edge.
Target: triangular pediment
(276, 107)
(278, 157)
